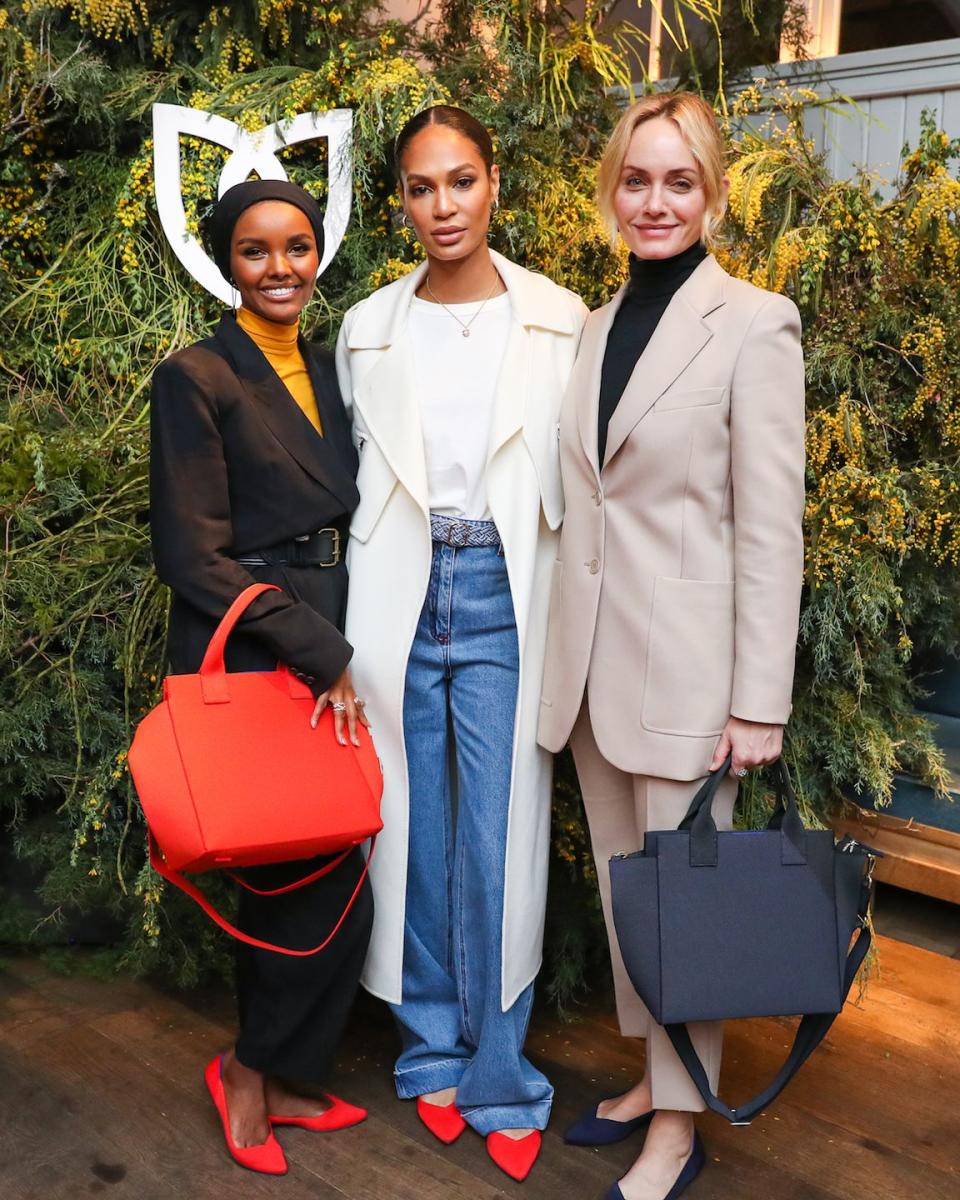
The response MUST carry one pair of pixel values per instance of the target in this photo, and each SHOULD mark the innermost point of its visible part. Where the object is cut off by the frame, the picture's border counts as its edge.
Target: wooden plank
(870, 819)
(176, 1045)
(124, 1128)
(917, 857)
(873, 1113)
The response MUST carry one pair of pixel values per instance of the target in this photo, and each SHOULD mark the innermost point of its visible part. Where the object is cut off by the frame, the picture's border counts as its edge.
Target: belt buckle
(336, 547)
(459, 534)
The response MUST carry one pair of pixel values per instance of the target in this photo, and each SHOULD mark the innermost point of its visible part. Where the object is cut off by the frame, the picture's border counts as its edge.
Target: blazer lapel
(587, 378)
(336, 441)
(677, 340)
(321, 457)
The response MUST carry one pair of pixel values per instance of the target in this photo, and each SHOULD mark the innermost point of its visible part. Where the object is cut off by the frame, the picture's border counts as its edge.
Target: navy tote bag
(743, 924)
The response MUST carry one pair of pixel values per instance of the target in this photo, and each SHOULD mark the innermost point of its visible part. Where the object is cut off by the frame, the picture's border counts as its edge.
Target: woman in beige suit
(676, 590)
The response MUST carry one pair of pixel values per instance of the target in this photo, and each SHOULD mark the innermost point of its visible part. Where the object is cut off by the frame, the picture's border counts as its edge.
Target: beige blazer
(675, 595)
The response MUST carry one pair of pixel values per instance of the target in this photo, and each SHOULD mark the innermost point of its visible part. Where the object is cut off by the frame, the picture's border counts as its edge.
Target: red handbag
(230, 774)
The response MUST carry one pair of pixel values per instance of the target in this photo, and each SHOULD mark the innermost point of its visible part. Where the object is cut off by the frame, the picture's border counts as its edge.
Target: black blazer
(236, 467)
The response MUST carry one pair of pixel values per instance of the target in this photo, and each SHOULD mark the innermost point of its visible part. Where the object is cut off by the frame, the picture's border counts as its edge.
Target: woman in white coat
(455, 374)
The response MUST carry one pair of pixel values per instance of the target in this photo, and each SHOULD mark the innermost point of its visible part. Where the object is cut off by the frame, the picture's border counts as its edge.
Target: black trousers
(293, 1010)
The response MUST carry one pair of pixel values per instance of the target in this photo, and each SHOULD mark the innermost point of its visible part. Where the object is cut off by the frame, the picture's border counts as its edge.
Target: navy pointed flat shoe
(691, 1169)
(590, 1130)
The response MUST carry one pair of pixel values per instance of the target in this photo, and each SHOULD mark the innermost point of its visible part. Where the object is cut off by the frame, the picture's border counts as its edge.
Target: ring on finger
(338, 706)
(741, 772)
(358, 702)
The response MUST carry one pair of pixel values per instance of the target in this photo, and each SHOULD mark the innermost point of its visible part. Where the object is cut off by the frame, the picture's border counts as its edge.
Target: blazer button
(593, 565)
(598, 497)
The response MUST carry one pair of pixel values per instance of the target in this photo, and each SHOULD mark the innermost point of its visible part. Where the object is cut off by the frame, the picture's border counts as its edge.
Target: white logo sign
(250, 152)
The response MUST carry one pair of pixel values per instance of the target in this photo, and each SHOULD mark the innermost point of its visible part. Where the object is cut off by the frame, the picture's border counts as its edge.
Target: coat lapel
(677, 340)
(510, 399)
(386, 396)
(323, 458)
(535, 303)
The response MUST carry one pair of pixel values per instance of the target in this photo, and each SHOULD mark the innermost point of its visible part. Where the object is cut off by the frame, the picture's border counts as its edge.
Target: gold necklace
(464, 325)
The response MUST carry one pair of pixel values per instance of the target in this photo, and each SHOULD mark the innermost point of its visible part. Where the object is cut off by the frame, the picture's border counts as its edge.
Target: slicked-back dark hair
(452, 118)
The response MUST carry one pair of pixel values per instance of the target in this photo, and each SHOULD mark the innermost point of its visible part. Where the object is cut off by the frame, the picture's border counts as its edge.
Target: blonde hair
(698, 127)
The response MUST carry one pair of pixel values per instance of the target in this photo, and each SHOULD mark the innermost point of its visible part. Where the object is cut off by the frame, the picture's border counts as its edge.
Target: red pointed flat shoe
(340, 1115)
(443, 1120)
(515, 1156)
(267, 1158)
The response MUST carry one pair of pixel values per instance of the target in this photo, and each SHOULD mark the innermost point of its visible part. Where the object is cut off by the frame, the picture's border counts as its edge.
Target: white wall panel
(885, 132)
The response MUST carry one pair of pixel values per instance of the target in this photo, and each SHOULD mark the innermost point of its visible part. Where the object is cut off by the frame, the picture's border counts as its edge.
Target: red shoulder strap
(184, 884)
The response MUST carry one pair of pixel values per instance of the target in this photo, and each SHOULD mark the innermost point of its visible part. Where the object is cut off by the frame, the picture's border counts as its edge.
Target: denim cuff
(430, 1077)
(488, 1118)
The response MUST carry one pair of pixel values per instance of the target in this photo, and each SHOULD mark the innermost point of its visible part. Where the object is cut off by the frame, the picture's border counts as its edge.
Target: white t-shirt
(456, 379)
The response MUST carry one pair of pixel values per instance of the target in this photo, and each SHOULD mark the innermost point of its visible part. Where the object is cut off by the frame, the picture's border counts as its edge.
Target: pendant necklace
(464, 325)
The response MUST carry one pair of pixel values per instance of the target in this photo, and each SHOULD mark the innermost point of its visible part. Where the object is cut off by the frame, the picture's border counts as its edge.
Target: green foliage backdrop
(91, 299)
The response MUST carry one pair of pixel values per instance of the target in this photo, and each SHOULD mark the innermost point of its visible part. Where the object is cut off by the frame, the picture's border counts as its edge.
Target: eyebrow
(672, 171)
(455, 171)
(295, 237)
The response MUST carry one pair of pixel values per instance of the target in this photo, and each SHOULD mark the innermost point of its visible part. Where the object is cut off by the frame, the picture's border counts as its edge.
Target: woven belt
(320, 549)
(457, 531)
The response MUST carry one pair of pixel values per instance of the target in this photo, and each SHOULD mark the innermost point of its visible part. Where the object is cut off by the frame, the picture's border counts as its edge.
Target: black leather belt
(320, 549)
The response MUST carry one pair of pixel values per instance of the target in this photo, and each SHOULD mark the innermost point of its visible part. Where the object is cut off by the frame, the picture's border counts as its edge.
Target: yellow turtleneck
(278, 345)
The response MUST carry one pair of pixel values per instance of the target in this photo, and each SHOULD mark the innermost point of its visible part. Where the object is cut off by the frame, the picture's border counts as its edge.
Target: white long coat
(389, 559)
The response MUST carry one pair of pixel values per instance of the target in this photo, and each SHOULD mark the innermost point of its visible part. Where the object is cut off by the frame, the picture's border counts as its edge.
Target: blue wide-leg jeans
(459, 708)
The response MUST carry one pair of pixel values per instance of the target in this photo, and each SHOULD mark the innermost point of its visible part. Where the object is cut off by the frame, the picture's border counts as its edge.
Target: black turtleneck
(653, 282)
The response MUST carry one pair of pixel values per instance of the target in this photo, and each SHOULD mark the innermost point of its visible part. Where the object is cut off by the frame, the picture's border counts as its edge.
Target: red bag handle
(292, 887)
(184, 884)
(213, 672)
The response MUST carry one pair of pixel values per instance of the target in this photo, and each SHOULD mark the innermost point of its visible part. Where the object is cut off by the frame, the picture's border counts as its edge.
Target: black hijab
(218, 227)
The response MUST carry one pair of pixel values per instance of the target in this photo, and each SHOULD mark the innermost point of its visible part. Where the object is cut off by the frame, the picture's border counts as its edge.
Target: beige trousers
(620, 809)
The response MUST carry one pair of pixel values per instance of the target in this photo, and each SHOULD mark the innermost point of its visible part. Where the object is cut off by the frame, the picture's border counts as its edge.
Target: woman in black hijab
(252, 480)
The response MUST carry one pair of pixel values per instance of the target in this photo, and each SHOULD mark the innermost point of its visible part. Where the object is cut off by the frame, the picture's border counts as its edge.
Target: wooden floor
(101, 1094)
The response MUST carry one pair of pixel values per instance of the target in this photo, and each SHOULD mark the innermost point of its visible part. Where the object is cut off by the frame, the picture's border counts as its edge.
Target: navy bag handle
(786, 818)
(813, 1027)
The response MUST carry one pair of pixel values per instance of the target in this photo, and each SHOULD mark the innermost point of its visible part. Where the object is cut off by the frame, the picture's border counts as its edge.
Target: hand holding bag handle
(215, 688)
(786, 817)
(813, 1027)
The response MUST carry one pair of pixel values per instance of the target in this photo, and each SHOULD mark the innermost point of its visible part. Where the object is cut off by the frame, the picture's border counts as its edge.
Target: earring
(495, 206)
(406, 222)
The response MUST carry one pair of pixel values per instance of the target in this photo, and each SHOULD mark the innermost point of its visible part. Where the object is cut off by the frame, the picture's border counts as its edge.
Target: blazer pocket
(701, 398)
(375, 482)
(690, 648)
(551, 661)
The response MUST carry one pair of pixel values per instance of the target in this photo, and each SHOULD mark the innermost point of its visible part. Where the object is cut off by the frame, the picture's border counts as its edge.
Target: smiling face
(659, 200)
(447, 192)
(274, 260)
